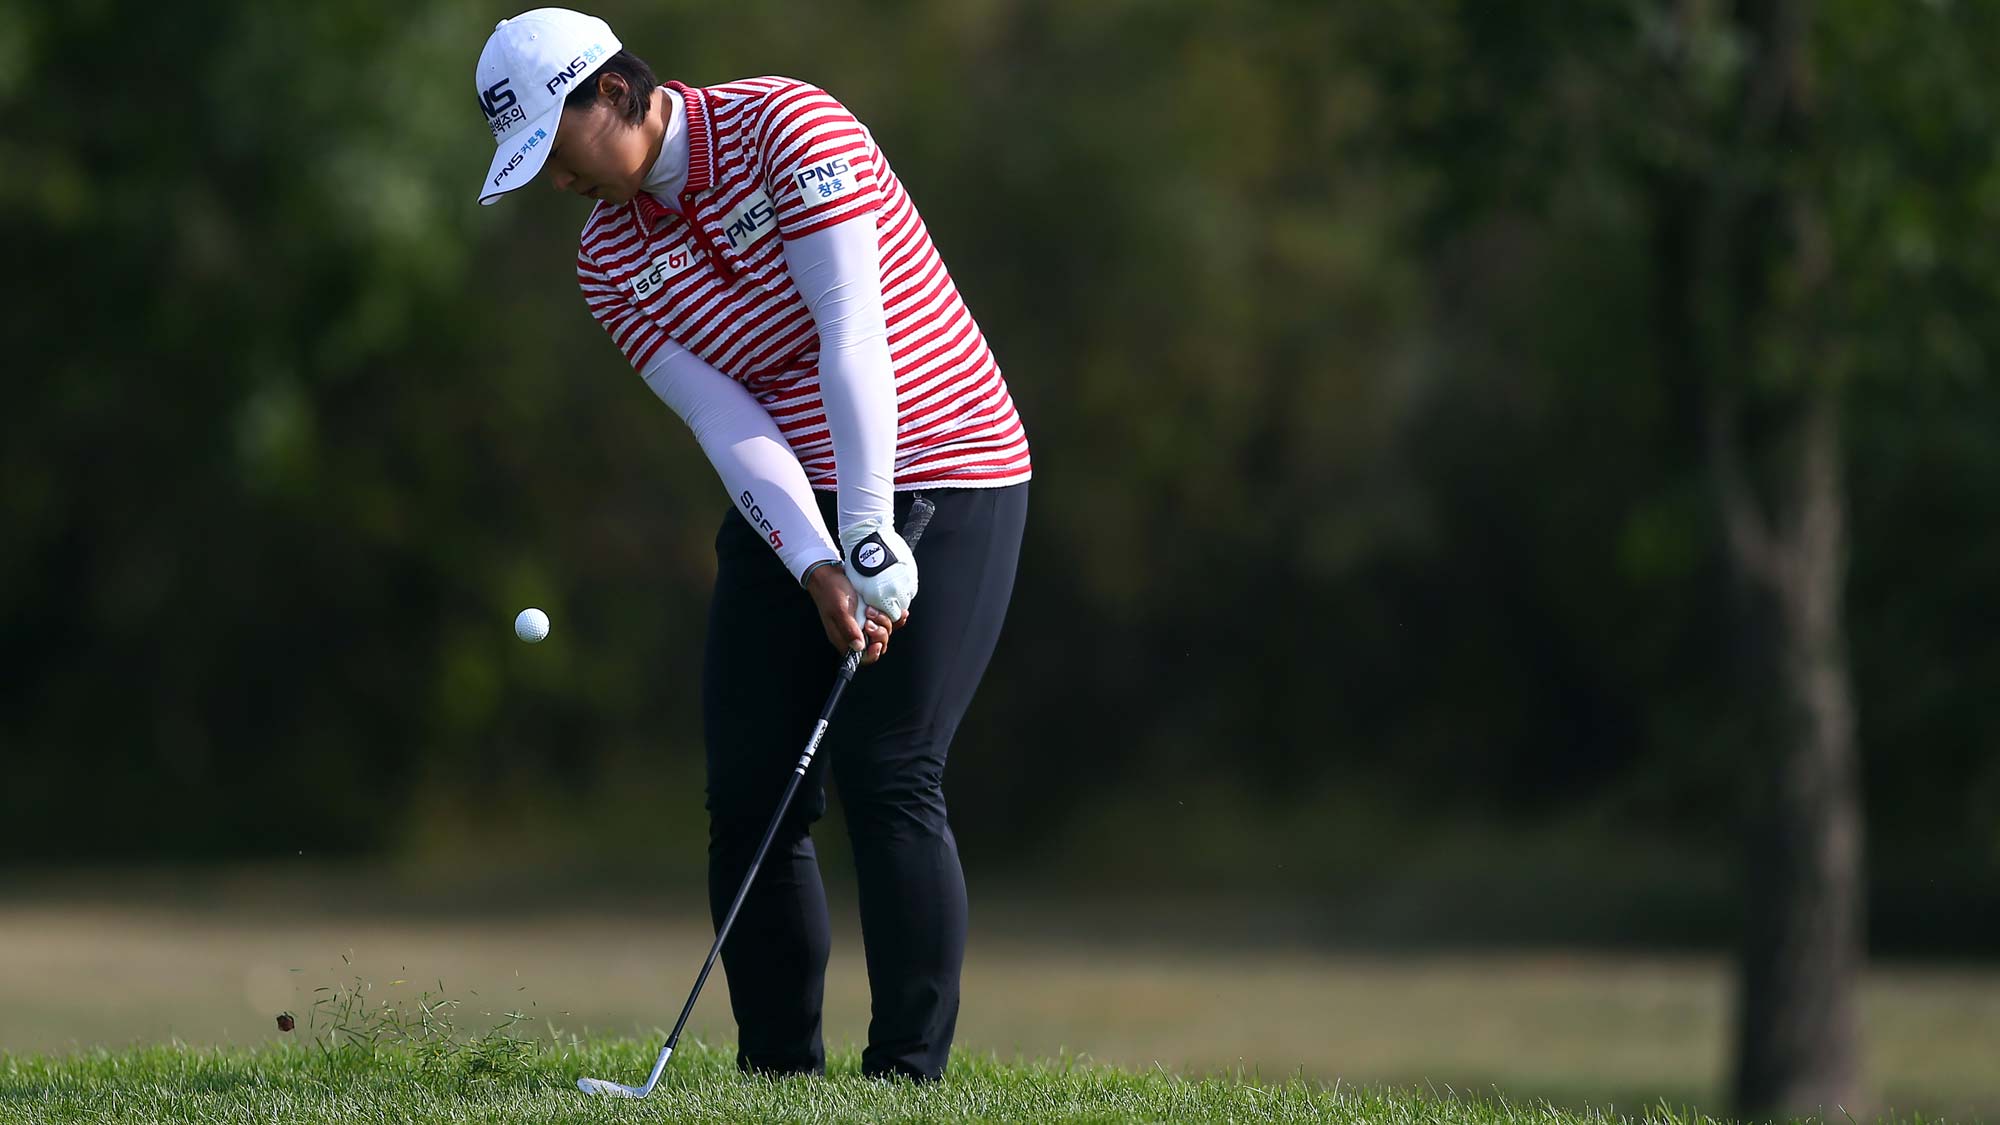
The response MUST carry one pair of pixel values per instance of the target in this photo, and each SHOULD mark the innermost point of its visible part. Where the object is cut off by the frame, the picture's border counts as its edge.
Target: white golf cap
(530, 63)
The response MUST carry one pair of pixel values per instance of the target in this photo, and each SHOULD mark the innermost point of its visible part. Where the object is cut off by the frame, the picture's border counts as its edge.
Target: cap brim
(521, 155)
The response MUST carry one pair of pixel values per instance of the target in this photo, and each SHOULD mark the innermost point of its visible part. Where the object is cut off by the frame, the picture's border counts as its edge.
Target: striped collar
(701, 148)
(701, 161)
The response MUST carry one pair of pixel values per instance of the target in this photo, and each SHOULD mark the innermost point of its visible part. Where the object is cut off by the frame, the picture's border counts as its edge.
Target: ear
(612, 89)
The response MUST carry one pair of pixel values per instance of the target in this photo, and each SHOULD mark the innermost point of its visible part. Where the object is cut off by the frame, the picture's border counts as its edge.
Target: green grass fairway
(211, 964)
(410, 1083)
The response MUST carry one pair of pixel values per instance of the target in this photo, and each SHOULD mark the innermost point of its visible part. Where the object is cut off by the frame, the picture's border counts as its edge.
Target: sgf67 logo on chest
(665, 268)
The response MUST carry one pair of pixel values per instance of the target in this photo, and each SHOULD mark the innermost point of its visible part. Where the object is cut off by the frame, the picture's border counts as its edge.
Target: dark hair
(634, 103)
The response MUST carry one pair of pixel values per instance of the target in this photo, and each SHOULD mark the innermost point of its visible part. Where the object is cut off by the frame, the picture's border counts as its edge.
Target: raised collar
(701, 146)
(651, 212)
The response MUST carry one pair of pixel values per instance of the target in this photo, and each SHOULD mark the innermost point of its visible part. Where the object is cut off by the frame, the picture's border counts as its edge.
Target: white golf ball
(531, 625)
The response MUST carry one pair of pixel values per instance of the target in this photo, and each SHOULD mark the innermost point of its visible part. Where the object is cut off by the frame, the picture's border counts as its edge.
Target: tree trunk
(1798, 1047)
(1744, 265)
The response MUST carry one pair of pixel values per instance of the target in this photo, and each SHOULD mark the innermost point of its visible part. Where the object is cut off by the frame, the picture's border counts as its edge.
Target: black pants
(767, 670)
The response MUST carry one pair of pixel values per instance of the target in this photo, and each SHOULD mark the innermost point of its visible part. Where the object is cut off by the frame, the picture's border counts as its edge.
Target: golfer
(755, 258)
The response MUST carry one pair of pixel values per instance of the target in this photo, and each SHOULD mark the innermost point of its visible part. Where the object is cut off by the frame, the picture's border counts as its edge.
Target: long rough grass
(508, 1080)
(356, 1056)
(300, 1086)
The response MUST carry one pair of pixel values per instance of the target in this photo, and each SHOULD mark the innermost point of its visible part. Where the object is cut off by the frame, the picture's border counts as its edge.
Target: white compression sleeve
(837, 271)
(748, 452)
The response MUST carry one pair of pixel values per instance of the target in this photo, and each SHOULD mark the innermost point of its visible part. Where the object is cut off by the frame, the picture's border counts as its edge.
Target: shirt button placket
(700, 232)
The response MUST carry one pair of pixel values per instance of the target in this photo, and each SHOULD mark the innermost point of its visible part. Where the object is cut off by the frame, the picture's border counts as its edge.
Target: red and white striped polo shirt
(773, 158)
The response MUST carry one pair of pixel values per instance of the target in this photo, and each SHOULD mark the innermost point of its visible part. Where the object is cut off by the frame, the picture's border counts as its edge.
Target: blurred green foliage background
(1370, 542)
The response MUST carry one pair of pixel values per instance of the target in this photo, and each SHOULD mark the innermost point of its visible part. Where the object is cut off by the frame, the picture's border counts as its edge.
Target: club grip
(921, 510)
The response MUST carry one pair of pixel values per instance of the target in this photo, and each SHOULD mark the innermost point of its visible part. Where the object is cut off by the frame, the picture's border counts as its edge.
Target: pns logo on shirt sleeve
(829, 179)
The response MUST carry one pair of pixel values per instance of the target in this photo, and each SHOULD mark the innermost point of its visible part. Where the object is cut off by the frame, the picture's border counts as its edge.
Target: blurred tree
(1745, 261)
(1797, 218)
(1791, 182)
(1794, 168)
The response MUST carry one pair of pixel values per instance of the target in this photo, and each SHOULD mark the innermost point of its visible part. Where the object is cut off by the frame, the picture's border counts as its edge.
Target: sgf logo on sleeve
(829, 179)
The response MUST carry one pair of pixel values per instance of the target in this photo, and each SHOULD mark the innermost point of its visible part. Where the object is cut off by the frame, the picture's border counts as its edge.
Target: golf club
(920, 517)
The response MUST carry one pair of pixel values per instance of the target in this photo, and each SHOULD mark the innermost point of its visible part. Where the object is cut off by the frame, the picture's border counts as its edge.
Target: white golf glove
(881, 565)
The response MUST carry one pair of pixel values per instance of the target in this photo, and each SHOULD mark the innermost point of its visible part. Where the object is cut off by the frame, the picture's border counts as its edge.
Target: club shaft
(920, 518)
(757, 861)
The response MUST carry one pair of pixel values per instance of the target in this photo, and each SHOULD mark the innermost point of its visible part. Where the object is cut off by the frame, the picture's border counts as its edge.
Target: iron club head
(604, 1087)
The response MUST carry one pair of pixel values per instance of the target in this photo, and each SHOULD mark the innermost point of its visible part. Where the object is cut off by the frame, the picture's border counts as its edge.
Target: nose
(561, 179)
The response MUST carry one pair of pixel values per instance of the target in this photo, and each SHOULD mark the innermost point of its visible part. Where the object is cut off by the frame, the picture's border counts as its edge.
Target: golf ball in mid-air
(532, 625)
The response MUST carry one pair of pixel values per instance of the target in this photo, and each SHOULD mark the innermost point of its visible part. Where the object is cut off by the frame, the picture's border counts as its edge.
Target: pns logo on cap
(503, 110)
(529, 64)
(577, 67)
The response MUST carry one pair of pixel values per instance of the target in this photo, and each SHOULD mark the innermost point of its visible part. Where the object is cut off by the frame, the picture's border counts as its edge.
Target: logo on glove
(872, 557)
